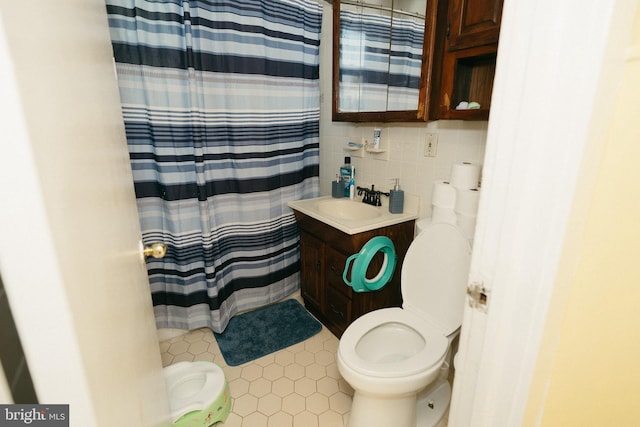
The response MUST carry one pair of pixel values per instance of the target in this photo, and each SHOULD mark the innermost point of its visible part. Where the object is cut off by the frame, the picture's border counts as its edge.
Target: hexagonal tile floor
(299, 386)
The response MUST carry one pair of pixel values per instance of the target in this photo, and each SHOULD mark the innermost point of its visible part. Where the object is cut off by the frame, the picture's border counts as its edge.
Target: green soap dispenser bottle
(396, 198)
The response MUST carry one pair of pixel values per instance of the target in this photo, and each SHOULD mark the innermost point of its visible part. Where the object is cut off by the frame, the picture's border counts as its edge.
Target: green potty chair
(198, 394)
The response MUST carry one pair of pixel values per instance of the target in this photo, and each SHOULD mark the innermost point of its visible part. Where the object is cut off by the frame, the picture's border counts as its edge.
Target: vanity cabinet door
(338, 311)
(338, 296)
(336, 261)
(311, 270)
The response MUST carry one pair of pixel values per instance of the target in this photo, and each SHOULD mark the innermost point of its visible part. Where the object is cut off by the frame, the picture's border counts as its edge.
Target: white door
(69, 254)
(556, 78)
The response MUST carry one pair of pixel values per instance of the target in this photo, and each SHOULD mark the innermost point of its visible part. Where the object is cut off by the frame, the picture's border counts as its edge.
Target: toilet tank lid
(435, 273)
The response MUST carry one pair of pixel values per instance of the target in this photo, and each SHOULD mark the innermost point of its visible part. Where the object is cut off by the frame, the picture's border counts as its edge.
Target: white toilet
(389, 355)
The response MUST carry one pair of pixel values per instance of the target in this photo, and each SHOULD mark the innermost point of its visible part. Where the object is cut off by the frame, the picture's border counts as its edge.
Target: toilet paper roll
(465, 175)
(444, 194)
(440, 214)
(467, 201)
(467, 225)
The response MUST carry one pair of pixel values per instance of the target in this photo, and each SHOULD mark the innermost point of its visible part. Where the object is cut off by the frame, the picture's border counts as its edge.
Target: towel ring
(361, 261)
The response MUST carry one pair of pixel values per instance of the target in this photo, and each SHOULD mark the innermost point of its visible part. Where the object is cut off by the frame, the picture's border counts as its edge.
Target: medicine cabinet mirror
(382, 56)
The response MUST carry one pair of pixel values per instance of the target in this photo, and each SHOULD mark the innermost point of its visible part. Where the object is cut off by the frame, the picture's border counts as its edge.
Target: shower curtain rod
(376, 7)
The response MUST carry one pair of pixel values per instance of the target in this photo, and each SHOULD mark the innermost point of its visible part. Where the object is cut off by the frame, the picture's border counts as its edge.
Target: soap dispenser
(396, 198)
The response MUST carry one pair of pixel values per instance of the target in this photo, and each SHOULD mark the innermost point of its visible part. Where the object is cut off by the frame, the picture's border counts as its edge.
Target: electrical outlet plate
(431, 145)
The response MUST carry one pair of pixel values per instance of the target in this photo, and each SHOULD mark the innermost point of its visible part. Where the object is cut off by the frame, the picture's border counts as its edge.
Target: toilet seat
(192, 386)
(430, 353)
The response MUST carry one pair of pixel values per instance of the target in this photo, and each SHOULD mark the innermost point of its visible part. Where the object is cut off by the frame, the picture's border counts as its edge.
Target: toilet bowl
(389, 355)
(386, 352)
(198, 393)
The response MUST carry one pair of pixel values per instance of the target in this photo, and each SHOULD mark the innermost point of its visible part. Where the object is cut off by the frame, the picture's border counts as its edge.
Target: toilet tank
(422, 224)
(434, 275)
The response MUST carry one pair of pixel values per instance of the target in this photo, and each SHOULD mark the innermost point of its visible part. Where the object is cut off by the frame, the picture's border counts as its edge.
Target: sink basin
(347, 209)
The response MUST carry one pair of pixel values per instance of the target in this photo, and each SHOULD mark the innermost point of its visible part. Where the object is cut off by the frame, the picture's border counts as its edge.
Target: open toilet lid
(434, 276)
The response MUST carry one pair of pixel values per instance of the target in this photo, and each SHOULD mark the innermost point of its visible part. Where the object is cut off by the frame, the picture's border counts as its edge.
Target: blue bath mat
(257, 333)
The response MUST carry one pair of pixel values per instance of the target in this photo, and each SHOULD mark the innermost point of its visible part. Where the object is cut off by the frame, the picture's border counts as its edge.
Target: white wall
(457, 141)
(578, 382)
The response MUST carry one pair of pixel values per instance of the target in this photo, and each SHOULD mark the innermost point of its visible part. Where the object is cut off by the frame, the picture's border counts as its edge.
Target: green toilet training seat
(359, 281)
(198, 394)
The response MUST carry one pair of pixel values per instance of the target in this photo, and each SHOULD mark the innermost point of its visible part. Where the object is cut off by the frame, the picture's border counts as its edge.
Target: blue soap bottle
(396, 198)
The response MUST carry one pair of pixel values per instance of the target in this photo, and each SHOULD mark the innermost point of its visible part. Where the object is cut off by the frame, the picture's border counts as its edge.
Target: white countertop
(310, 207)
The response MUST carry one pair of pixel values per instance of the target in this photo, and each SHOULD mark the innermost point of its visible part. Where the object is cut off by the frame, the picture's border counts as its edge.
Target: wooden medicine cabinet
(413, 60)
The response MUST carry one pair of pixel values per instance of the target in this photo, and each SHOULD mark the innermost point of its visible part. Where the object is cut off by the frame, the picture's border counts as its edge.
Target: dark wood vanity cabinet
(323, 254)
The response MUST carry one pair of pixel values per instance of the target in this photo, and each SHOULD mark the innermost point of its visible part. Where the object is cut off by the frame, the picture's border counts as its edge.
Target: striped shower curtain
(221, 103)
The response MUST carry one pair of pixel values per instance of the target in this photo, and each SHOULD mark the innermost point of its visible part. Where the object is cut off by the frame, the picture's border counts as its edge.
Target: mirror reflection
(380, 61)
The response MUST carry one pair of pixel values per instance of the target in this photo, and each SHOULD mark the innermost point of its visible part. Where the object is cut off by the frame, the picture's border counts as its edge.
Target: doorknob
(155, 250)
